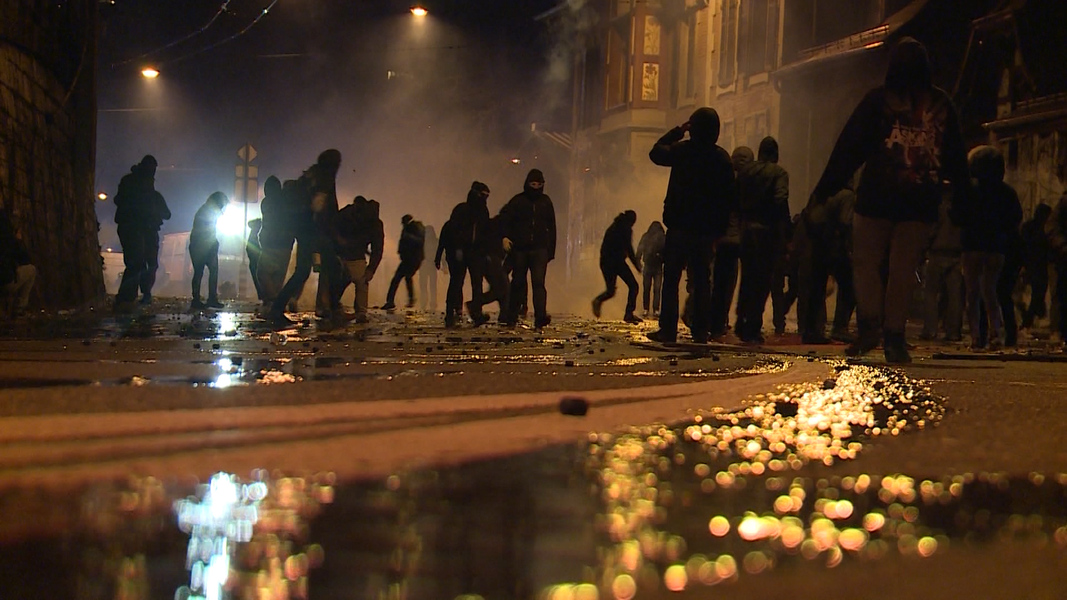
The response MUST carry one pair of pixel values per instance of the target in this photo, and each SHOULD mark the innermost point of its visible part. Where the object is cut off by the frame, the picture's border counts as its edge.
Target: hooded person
(529, 227)
(457, 246)
(763, 198)
(361, 234)
(696, 212)
(136, 209)
(906, 135)
(618, 246)
(412, 251)
(276, 238)
(650, 257)
(204, 250)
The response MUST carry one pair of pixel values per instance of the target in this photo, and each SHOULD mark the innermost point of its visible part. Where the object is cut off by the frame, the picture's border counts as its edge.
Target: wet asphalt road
(407, 461)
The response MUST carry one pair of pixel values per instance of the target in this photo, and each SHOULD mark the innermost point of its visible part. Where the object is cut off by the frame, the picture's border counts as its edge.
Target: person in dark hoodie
(158, 211)
(361, 233)
(986, 234)
(135, 204)
(204, 250)
(311, 207)
(412, 251)
(618, 245)
(276, 238)
(696, 211)
(1035, 263)
(650, 260)
(763, 196)
(906, 135)
(529, 226)
(457, 245)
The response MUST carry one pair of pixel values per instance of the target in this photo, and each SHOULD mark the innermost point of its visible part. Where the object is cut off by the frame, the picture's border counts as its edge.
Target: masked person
(136, 210)
(361, 233)
(696, 211)
(650, 260)
(529, 223)
(618, 246)
(467, 221)
(906, 135)
(204, 250)
(412, 251)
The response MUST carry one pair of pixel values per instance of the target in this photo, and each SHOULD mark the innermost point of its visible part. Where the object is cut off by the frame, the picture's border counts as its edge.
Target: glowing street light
(102, 196)
(419, 11)
(149, 73)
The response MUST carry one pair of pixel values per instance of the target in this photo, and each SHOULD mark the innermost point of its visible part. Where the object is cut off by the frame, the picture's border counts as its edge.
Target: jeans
(981, 271)
(690, 251)
(207, 257)
(943, 287)
(895, 249)
(534, 262)
(652, 284)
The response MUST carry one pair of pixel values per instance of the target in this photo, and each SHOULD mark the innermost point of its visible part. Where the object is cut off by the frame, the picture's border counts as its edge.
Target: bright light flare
(419, 11)
(232, 221)
(149, 73)
(101, 196)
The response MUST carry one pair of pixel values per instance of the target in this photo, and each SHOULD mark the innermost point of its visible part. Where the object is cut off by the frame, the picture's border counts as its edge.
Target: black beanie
(479, 187)
(535, 175)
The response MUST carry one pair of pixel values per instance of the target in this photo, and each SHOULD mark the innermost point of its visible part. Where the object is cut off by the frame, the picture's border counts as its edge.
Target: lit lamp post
(419, 11)
(149, 73)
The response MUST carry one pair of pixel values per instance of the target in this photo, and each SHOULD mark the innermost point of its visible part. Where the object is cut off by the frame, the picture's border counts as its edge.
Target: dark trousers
(329, 275)
(151, 257)
(612, 273)
(253, 268)
(428, 285)
(490, 270)
(404, 271)
(686, 251)
(295, 284)
(1037, 277)
(1061, 297)
(206, 258)
(723, 283)
(1009, 276)
(535, 263)
(758, 249)
(817, 265)
(782, 298)
(652, 284)
(457, 274)
(134, 252)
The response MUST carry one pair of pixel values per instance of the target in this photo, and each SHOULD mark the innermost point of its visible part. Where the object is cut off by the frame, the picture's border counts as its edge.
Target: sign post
(245, 190)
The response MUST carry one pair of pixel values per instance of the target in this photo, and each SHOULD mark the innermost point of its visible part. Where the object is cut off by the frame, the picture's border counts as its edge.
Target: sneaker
(214, 304)
(196, 304)
(410, 304)
(146, 299)
(633, 319)
(541, 322)
(896, 348)
(862, 345)
(281, 320)
(662, 337)
(389, 306)
(597, 303)
(361, 318)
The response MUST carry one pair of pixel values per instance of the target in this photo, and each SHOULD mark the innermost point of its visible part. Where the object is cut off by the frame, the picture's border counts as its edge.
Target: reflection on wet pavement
(638, 514)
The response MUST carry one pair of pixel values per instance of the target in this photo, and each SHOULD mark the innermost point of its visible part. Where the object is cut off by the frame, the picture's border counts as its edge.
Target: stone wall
(47, 141)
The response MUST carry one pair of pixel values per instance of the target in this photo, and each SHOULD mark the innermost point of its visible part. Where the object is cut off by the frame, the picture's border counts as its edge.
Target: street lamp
(419, 11)
(102, 196)
(149, 73)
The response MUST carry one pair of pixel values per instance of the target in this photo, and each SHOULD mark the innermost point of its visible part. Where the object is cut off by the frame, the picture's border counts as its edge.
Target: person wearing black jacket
(987, 234)
(158, 211)
(529, 227)
(763, 196)
(135, 215)
(618, 245)
(276, 238)
(204, 250)
(696, 211)
(457, 245)
(650, 259)
(906, 135)
(360, 233)
(412, 251)
(311, 206)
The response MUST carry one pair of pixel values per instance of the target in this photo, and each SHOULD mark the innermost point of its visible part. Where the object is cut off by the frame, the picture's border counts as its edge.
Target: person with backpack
(618, 246)
(360, 234)
(763, 195)
(650, 259)
(204, 250)
(412, 251)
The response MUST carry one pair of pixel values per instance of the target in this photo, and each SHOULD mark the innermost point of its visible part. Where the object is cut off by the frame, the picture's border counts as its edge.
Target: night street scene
(533, 299)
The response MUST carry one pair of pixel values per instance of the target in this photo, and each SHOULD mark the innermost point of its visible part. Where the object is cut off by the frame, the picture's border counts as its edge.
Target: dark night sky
(314, 74)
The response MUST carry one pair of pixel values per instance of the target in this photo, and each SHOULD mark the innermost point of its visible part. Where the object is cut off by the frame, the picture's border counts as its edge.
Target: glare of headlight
(418, 11)
(232, 221)
(149, 73)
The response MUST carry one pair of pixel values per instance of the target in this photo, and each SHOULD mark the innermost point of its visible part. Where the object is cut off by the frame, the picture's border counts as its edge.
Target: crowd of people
(900, 202)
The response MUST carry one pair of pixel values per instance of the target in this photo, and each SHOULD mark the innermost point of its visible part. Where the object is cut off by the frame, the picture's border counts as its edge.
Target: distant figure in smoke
(276, 238)
(361, 233)
(696, 210)
(204, 250)
(311, 205)
(158, 211)
(135, 204)
(650, 259)
(618, 245)
(428, 274)
(467, 221)
(763, 196)
(253, 249)
(1036, 260)
(529, 222)
(906, 135)
(412, 251)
